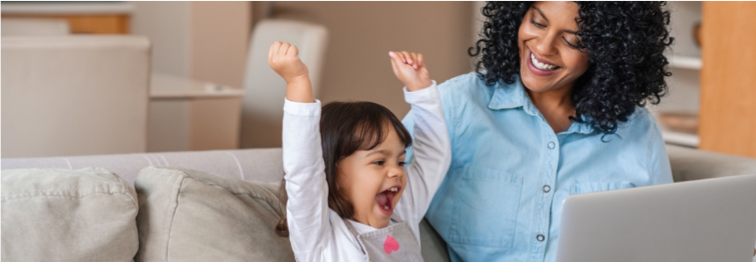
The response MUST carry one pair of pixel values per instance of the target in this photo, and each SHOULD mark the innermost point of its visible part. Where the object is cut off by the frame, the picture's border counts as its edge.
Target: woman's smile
(549, 58)
(539, 66)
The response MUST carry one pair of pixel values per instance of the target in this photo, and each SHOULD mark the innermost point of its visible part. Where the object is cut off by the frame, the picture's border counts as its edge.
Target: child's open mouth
(385, 200)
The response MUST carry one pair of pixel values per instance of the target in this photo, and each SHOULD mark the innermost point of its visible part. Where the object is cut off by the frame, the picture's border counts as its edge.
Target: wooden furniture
(186, 114)
(711, 87)
(727, 121)
(82, 17)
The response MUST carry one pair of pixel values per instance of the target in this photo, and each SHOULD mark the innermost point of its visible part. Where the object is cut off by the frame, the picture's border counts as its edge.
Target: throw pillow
(67, 215)
(187, 215)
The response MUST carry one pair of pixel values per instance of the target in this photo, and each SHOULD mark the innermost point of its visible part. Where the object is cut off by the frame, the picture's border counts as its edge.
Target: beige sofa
(218, 206)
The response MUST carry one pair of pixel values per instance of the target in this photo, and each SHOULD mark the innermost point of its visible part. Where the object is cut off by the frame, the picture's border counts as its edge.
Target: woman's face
(549, 57)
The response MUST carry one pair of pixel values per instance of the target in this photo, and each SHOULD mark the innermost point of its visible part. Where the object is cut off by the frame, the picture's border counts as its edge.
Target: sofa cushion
(67, 215)
(188, 215)
(692, 164)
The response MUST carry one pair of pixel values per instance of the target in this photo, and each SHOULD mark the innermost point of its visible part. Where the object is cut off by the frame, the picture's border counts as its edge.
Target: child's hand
(410, 69)
(284, 59)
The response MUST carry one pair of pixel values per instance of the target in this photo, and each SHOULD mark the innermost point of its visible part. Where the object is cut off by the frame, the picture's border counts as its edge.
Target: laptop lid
(703, 220)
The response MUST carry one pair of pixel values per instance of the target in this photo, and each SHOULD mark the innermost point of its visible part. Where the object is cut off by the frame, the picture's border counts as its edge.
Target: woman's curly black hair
(624, 41)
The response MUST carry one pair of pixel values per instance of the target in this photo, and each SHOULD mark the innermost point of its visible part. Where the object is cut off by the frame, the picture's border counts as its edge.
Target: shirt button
(552, 145)
(546, 188)
(540, 238)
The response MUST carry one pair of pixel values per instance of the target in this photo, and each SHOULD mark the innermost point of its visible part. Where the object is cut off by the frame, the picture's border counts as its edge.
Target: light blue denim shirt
(502, 197)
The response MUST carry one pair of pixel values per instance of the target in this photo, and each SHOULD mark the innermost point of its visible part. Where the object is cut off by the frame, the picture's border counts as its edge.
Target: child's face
(373, 180)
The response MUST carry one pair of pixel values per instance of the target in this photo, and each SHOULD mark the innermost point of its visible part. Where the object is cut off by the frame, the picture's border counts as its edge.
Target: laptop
(710, 220)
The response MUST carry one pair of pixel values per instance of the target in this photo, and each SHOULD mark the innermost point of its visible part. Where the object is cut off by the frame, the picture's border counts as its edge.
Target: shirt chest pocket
(486, 202)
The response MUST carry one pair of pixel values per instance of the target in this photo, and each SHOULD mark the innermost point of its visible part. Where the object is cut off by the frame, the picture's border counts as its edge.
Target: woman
(556, 109)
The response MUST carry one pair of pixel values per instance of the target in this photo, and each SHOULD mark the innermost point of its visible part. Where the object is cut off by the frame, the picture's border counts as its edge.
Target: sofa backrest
(266, 164)
(691, 164)
(247, 164)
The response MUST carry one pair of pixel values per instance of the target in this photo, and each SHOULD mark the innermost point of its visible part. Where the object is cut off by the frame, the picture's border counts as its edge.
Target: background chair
(262, 108)
(74, 95)
(34, 27)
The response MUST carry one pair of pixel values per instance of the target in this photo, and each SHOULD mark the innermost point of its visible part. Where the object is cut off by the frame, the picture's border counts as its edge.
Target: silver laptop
(711, 220)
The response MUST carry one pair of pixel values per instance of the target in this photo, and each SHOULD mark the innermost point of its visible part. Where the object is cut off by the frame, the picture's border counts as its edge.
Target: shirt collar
(508, 96)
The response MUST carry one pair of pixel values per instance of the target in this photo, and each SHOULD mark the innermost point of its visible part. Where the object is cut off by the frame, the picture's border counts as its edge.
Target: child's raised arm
(284, 59)
(410, 69)
(431, 148)
(307, 208)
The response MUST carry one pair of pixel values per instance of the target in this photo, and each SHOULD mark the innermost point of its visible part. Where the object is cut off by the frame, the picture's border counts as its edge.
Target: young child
(350, 196)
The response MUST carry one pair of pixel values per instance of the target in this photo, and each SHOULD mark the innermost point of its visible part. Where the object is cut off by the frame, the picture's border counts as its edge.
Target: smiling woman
(612, 54)
(548, 47)
(550, 59)
(556, 107)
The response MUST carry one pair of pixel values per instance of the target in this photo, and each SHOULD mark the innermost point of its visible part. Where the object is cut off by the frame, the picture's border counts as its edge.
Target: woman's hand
(410, 69)
(284, 59)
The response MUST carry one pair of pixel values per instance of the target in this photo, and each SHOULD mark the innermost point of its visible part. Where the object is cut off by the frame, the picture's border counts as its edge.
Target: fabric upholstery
(264, 165)
(67, 215)
(187, 215)
(433, 246)
(690, 164)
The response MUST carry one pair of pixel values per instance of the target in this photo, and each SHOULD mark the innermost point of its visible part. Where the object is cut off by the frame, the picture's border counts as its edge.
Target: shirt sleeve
(660, 167)
(307, 205)
(431, 154)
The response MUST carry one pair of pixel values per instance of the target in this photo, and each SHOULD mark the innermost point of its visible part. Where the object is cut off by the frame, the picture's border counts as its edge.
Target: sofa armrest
(691, 164)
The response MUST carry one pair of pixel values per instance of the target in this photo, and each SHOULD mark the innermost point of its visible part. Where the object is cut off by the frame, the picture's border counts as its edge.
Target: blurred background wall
(202, 40)
(187, 35)
(199, 50)
(357, 65)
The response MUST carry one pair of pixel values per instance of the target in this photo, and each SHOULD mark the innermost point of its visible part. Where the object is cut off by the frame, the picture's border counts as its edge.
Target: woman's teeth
(394, 189)
(540, 65)
(386, 207)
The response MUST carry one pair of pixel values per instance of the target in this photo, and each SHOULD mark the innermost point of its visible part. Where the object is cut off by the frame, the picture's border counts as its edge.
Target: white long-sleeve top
(316, 232)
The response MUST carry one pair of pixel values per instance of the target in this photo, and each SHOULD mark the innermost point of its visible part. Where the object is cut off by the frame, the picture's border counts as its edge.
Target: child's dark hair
(346, 127)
